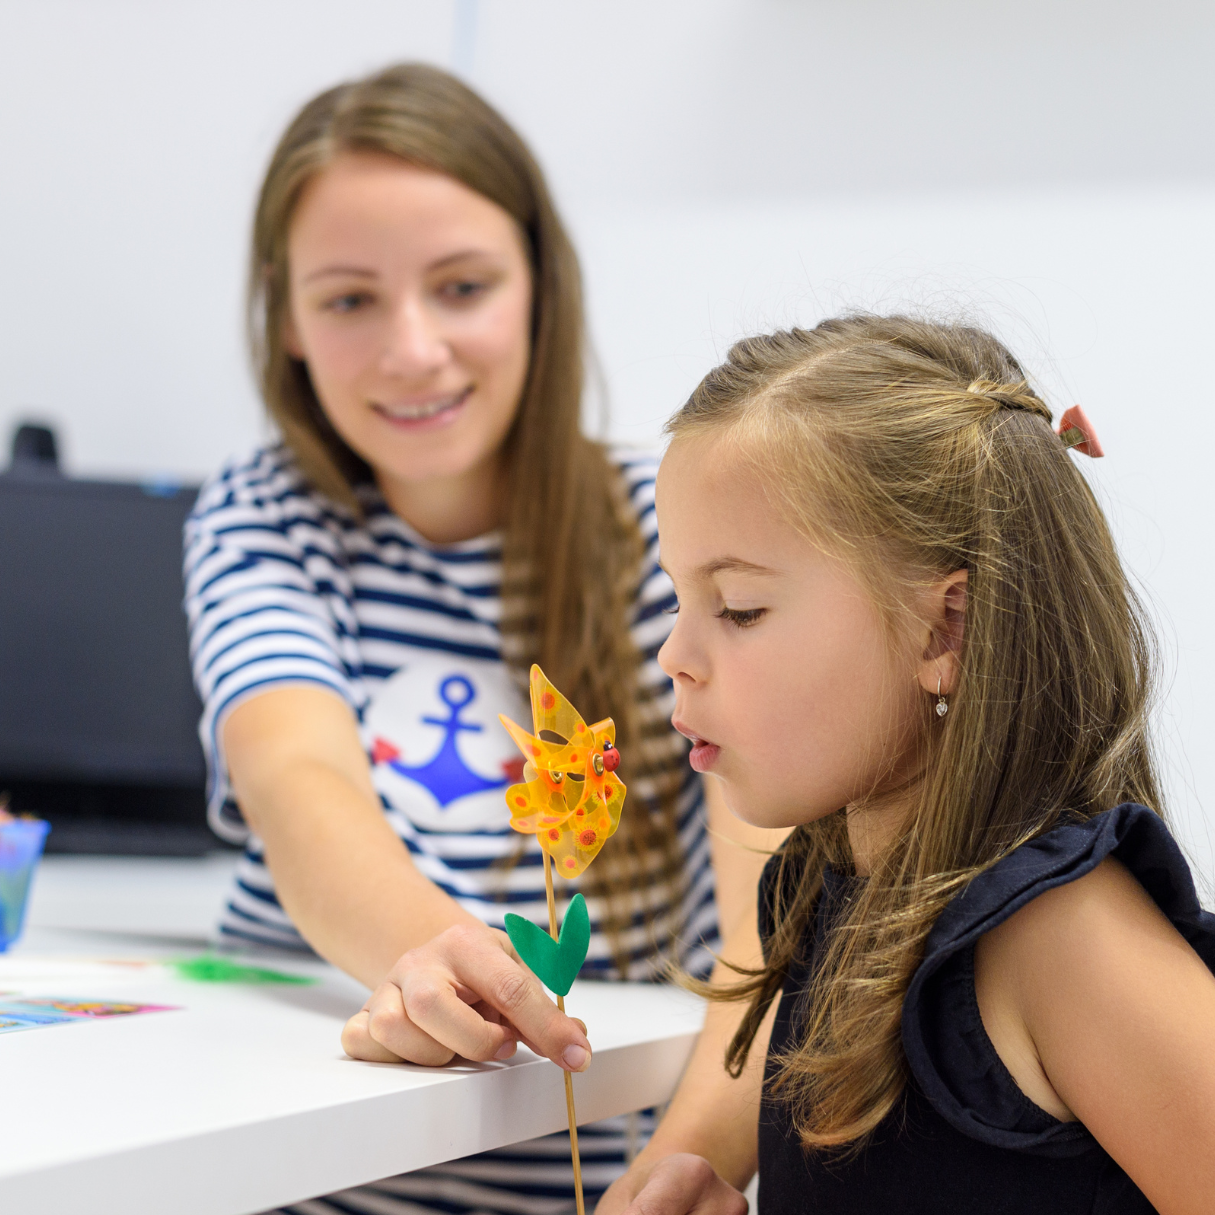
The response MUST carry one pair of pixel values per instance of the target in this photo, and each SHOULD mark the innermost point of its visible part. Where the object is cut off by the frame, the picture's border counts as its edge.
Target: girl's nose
(415, 345)
(678, 659)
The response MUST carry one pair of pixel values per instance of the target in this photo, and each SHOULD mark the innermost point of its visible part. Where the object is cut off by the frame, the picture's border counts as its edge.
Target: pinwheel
(570, 799)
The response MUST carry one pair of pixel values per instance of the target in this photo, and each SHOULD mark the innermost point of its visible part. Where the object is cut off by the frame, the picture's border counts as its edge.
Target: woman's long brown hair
(572, 547)
(914, 450)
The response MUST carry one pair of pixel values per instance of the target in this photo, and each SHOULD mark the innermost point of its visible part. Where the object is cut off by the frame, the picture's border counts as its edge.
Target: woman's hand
(465, 993)
(679, 1184)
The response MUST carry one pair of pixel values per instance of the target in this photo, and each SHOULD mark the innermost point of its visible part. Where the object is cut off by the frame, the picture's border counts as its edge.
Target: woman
(367, 595)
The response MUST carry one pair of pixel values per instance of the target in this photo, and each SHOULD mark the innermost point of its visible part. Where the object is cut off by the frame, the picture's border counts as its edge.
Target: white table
(243, 1099)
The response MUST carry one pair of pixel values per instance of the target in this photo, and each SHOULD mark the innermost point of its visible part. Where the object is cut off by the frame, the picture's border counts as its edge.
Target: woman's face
(410, 302)
(785, 677)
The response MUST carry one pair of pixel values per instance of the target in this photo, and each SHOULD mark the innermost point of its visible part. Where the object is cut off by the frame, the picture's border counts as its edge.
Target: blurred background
(1047, 169)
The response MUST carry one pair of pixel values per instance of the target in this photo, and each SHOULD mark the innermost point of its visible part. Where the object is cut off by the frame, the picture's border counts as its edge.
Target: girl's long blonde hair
(572, 546)
(917, 449)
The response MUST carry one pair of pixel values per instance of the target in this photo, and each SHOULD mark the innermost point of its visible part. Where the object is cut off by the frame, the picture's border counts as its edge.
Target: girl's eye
(740, 617)
(672, 609)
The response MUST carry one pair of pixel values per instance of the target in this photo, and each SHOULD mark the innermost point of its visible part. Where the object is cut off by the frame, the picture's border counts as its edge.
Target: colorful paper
(37, 1012)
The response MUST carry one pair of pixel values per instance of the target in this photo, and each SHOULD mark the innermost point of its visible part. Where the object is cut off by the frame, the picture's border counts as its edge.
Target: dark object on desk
(98, 714)
(35, 450)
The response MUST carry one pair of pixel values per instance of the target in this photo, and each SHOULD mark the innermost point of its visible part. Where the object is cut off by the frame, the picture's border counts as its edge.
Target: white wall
(726, 165)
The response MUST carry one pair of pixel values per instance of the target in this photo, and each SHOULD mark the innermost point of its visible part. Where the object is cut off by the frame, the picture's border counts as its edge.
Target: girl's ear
(946, 618)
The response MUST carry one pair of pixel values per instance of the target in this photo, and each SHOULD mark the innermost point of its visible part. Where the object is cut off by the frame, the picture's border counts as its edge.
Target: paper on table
(37, 1012)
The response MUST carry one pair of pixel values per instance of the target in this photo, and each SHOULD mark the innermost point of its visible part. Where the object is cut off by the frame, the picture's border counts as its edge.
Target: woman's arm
(304, 787)
(1102, 1011)
(443, 982)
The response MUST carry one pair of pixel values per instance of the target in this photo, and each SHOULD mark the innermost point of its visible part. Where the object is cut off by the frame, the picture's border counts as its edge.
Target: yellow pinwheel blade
(574, 844)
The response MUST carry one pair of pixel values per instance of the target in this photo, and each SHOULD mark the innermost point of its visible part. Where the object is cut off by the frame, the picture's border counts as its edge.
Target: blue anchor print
(446, 775)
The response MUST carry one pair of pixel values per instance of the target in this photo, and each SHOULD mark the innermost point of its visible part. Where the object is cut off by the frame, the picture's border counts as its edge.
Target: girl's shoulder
(1060, 912)
(1130, 834)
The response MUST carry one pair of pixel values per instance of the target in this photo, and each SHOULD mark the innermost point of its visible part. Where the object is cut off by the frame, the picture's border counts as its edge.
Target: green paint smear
(212, 969)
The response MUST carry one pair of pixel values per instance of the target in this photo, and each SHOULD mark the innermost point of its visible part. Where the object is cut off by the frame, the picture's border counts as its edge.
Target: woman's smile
(412, 413)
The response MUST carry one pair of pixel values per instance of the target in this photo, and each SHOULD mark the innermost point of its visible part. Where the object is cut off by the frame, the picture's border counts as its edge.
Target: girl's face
(410, 302)
(785, 678)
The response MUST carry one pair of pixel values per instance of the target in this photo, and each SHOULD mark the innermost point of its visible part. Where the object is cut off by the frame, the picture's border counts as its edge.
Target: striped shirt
(285, 587)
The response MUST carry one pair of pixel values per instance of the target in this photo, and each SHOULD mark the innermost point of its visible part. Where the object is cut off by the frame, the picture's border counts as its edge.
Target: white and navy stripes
(283, 586)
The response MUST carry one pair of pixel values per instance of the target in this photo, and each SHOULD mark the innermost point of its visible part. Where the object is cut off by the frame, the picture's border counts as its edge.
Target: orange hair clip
(1077, 432)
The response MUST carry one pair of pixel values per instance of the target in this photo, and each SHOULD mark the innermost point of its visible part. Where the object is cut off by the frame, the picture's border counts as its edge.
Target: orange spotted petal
(577, 842)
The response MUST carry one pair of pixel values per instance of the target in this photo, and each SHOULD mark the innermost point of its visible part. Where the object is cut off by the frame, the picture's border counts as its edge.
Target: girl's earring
(942, 705)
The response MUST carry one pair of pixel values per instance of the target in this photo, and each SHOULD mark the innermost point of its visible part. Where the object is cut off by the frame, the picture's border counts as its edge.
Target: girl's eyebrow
(720, 565)
(732, 565)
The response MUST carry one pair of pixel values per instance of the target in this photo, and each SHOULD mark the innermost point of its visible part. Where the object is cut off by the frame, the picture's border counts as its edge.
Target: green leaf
(555, 963)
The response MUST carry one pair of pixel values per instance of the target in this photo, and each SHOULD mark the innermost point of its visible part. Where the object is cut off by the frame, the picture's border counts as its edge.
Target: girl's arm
(443, 982)
(1101, 1011)
(704, 1150)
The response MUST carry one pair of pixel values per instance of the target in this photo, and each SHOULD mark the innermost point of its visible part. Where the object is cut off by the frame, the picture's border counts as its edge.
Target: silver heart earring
(942, 705)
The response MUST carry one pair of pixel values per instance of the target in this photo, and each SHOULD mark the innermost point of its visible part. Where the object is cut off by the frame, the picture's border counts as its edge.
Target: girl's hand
(680, 1184)
(465, 993)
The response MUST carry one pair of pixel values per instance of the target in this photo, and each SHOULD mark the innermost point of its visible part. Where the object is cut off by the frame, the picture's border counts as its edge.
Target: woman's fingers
(463, 993)
(405, 1029)
(683, 1184)
(433, 1008)
(471, 959)
(358, 1043)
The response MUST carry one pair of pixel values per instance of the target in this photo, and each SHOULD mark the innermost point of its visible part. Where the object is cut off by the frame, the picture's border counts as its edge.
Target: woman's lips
(704, 753)
(436, 410)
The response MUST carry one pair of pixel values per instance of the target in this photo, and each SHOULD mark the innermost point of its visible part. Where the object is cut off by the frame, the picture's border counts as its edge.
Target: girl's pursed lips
(687, 732)
(703, 754)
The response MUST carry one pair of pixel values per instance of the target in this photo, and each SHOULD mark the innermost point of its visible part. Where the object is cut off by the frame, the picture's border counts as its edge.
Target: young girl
(904, 631)
(366, 596)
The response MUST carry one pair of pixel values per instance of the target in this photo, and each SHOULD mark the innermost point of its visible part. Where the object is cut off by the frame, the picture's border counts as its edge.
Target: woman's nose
(415, 344)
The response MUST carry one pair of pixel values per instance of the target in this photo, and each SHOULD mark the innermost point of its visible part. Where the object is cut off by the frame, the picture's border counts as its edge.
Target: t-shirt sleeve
(947, 1047)
(267, 604)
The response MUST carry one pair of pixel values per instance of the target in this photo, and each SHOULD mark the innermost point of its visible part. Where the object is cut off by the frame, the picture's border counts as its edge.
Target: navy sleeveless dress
(964, 1138)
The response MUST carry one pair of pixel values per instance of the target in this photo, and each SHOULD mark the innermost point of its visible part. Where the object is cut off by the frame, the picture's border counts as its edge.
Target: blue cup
(21, 841)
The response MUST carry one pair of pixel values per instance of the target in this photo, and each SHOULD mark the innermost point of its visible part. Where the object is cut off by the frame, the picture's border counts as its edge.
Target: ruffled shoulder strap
(947, 1049)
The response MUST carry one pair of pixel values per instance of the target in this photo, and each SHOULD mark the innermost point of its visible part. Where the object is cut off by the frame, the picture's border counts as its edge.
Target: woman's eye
(741, 617)
(462, 290)
(348, 302)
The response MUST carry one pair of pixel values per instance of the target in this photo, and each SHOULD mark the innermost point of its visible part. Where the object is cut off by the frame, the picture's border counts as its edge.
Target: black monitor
(98, 714)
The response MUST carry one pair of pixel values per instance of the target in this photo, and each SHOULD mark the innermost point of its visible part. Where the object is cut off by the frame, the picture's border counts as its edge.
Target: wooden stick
(569, 1079)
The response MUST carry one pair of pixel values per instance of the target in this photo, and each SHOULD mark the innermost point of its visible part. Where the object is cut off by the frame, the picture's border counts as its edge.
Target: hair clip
(1077, 432)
